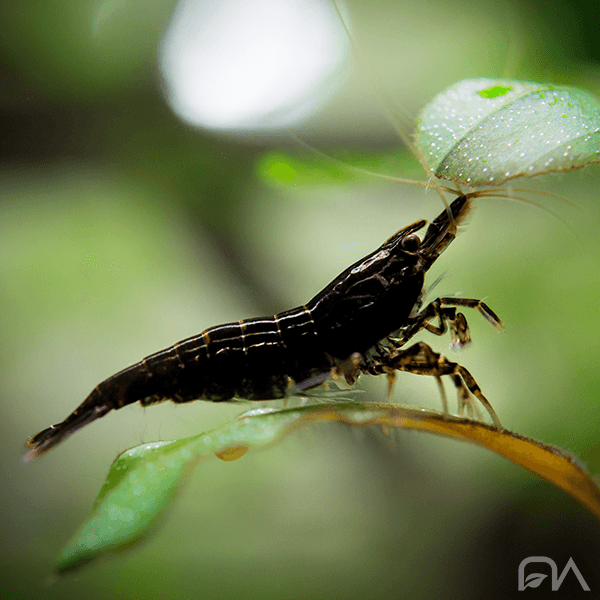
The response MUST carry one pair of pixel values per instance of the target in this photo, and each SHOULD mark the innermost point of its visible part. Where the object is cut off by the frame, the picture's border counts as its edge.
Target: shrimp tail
(89, 411)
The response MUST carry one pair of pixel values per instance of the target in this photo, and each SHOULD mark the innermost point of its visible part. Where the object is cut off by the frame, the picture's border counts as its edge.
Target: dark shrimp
(339, 332)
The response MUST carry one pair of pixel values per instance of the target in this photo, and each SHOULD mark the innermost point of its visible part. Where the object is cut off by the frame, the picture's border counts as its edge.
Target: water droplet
(127, 514)
(230, 454)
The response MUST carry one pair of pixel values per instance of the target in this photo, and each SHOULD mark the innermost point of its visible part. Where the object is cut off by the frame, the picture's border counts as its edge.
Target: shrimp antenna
(385, 104)
(510, 196)
(367, 172)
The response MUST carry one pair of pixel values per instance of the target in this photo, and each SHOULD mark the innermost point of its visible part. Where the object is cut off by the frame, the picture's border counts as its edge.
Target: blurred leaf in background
(123, 230)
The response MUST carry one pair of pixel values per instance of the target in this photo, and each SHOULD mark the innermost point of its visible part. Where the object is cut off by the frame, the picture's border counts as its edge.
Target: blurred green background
(123, 230)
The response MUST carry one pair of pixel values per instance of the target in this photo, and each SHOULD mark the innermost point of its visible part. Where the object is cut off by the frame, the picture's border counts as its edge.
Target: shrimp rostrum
(360, 323)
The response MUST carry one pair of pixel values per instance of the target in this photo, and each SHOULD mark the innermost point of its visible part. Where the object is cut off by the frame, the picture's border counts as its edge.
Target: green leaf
(288, 170)
(486, 131)
(143, 481)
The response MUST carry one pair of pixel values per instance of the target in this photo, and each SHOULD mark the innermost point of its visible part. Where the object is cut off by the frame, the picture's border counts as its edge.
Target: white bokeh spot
(251, 66)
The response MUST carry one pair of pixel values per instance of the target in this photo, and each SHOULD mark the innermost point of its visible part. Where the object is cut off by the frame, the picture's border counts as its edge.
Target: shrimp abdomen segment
(256, 359)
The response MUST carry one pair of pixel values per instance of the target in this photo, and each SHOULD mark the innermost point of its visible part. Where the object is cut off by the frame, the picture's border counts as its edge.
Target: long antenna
(385, 104)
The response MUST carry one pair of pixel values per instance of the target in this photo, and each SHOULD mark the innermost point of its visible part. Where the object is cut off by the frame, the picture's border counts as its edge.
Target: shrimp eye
(411, 243)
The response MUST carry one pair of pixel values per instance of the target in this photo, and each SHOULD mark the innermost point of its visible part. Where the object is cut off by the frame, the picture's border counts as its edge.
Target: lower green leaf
(143, 481)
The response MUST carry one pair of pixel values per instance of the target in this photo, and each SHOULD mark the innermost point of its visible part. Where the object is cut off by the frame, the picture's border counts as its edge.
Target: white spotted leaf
(486, 131)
